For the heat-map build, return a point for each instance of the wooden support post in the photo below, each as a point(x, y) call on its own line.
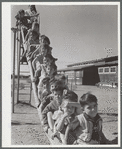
point(18, 63)
point(13, 71)
point(30, 93)
point(17, 52)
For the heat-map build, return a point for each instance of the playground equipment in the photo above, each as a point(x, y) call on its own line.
point(18, 45)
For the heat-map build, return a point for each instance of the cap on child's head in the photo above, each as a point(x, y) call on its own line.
point(87, 98)
point(45, 80)
point(72, 96)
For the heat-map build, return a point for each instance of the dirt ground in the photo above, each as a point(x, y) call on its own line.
point(25, 124)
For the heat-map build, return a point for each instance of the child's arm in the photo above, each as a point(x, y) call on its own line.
point(49, 108)
point(37, 71)
point(60, 124)
point(35, 52)
point(27, 35)
point(72, 126)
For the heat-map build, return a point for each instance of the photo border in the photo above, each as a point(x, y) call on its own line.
point(119, 88)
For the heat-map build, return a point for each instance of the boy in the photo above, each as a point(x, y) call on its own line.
point(53, 105)
point(90, 130)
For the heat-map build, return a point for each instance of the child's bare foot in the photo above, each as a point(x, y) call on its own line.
point(45, 129)
point(53, 135)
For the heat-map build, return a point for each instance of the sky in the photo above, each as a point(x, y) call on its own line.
point(77, 32)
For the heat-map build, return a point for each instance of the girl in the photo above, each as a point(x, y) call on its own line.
point(61, 118)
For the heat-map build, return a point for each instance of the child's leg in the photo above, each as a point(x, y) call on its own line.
point(50, 120)
point(40, 89)
point(54, 133)
point(34, 64)
point(39, 93)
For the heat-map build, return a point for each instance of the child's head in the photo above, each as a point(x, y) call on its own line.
point(54, 83)
point(69, 96)
point(62, 78)
point(32, 8)
point(35, 26)
point(49, 59)
point(58, 94)
point(45, 40)
point(88, 103)
point(22, 13)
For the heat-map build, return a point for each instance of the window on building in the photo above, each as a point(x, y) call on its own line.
point(113, 69)
point(106, 69)
point(100, 70)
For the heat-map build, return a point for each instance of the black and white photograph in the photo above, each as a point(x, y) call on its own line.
point(61, 74)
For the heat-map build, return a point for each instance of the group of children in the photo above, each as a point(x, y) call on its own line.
point(76, 120)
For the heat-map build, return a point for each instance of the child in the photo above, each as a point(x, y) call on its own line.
point(46, 87)
point(90, 130)
point(48, 67)
point(53, 105)
point(62, 78)
point(32, 37)
point(47, 99)
point(46, 71)
point(22, 19)
point(43, 42)
point(39, 58)
point(31, 12)
point(64, 115)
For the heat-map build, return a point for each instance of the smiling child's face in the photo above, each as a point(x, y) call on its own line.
point(58, 96)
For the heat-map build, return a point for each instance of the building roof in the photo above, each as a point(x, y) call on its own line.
point(107, 59)
point(75, 68)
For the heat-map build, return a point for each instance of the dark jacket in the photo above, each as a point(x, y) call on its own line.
point(51, 107)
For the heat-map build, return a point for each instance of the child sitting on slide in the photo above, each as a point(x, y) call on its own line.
point(52, 106)
point(61, 118)
point(89, 122)
point(32, 37)
point(43, 42)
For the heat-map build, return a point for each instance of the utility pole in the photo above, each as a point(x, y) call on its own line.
point(108, 52)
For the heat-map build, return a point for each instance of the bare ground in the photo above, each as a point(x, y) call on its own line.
point(25, 124)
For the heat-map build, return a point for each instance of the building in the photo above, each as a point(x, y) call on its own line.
point(100, 71)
